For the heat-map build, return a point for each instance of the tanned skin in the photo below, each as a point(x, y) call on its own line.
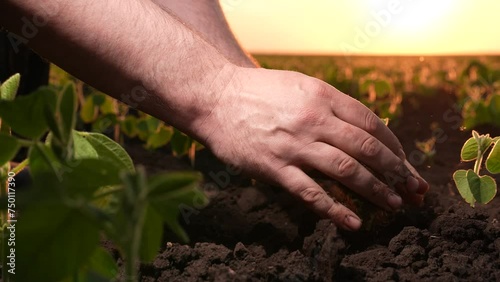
point(274, 125)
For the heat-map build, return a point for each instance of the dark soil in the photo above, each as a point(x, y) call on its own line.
point(255, 232)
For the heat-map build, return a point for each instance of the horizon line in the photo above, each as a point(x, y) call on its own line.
point(306, 54)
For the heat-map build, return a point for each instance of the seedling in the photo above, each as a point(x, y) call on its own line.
point(428, 148)
point(85, 187)
point(472, 186)
point(480, 95)
point(379, 94)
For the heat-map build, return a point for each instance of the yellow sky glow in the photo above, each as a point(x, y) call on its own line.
point(403, 27)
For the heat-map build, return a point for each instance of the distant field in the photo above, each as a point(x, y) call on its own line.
point(382, 82)
point(317, 65)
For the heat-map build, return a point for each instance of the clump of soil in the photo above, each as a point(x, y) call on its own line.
point(260, 233)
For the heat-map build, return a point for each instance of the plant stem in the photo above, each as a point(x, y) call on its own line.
point(25, 143)
point(39, 146)
point(20, 166)
point(479, 160)
point(107, 193)
point(136, 225)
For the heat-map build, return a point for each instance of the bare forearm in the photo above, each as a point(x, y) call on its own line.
point(132, 50)
point(206, 17)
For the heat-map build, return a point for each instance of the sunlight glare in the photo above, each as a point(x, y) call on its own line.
point(419, 16)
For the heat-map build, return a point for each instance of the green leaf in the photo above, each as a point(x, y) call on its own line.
point(104, 147)
point(128, 126)
point(87, 112)
point(382, 88)
point(45, 167)
point(62, 122)
point(483, 188)
point(160, 138)
point(108, 106)
point(494, 107)
point(9, 148)
point(483, 115)
point(142, 129)
point(50, 117)
point(8, 89)
point(83, 148)
point(67, 110)
point(52, 242)
point(180, 143)
point(101, 262)
point(99, 99)
point(25, 114)
point(167, 184)
point(103, 122)
point(176, 194)
point(152, 235)
point(153, 123)
point(146, 126)
point(469, 150)
point(493, 160)
point(469, 114)
point(366, 85)
point(460, 178)
point(90, 174)
point(79, 177)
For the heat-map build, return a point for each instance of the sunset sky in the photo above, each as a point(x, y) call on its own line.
point(417, 27)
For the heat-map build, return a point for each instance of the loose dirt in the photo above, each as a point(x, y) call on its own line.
point(256, 232)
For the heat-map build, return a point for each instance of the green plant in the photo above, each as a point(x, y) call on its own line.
point(428, 148)
point(480, 95)
point(473, 186)
point(379, 94)
point(104, 114)
point(85, 187)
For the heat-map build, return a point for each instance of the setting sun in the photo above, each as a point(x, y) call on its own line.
point(417, 16)
point(366, 27)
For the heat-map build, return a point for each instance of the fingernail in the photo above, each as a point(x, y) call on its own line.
point(402, 154)
point(352, 223)
point(412, 184)
point(394, 201)
point(423, 186)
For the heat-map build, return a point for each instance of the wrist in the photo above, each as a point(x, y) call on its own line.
point(224, 86)
point(190, 101)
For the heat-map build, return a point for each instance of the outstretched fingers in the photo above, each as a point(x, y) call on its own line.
point(373, 153)
point(357, 114)
point(303, 187)
point(347, 170)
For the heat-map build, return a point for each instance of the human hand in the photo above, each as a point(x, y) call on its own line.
point(275, 125)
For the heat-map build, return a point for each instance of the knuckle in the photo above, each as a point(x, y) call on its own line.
point(372, 122)
point(377, 190)
point(401, 169)
point(309, 117)
point(338, 213)
point(397, 175)
point(370, 147)
point(335, 212)
point(312, 195)
point(318, 88)
point(346, 167)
